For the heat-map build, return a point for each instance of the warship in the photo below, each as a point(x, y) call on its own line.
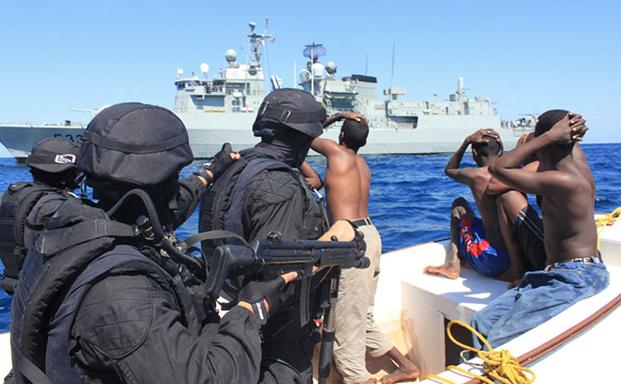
point(222, 109)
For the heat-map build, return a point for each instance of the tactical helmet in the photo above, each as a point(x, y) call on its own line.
point(293, 108)
point(53, 155)
point(135, 143)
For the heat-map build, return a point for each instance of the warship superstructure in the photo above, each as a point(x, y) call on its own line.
point(223, 108)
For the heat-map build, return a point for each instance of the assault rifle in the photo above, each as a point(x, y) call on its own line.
point(273, 257)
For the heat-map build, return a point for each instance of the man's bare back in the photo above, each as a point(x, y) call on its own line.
point(347, 183)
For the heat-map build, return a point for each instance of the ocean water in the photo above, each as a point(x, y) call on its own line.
point(410, 196)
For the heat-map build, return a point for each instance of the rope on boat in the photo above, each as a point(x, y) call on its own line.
point(498, 365)
point(605, 221)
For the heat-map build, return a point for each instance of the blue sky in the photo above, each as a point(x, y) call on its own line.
point(527, 56)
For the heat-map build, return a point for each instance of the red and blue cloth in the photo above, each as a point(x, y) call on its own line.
point(477, 251)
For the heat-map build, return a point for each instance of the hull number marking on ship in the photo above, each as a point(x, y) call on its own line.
point(73, 138)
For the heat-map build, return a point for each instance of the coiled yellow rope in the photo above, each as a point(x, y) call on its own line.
point(605, 221)
point(498, 366)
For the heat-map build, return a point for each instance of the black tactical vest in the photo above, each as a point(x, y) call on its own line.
point(17, 202)
point(223, 205)
point(76, 251)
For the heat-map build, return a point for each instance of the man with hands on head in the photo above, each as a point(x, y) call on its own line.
point(347, 184)
point(565, 184)
point(479, 241)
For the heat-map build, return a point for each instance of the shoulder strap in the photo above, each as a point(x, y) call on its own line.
point(55, 240)
point(17, 204)
point(26, 203)
point(28, 369)
point(216, 234)
point(214, 201)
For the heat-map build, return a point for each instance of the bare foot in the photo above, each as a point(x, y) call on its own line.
point(399, 375)
point(450, 271)
point(406, 369)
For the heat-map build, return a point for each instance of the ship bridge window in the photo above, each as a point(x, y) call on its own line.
point(342, 104)
point(231, 88)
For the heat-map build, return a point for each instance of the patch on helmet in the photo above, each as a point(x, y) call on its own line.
point(66, 158)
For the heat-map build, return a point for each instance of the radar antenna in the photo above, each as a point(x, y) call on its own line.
point(314, 51)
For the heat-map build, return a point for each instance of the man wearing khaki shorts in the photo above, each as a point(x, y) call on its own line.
point(347, 183)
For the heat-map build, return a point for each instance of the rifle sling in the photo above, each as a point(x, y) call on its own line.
point(217, 234)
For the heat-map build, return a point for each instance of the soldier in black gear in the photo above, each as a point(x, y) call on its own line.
point(52, 165)
point(105, 295)
point(263, 193)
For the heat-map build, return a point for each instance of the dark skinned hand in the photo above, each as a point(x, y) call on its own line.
point(569, 129)
point(484, 135)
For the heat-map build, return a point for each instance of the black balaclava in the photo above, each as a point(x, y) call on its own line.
point(69, 179)
point(289, 145)
point(163, 195)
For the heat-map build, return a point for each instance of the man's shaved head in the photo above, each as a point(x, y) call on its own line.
point(548, 119)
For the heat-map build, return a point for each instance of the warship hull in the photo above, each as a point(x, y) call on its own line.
point(222, 109)
point(434, 134)
point(20, 138)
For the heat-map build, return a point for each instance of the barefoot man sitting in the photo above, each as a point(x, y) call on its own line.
point(347, 184)
point(480, 241)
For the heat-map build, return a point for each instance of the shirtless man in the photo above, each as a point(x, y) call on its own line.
point(575, 270)
point(480, 241)
point(520, 224)
point(347, 183)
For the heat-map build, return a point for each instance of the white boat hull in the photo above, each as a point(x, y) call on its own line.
point(412, 309)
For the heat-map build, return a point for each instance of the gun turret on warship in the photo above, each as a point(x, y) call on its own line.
point(223, 108)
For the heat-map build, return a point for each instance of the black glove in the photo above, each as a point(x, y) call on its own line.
point(256, 291)
point(217, 164)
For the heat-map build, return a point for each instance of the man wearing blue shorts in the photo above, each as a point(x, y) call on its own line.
point(479, 252)
point(574, 271)
point(479, 241)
